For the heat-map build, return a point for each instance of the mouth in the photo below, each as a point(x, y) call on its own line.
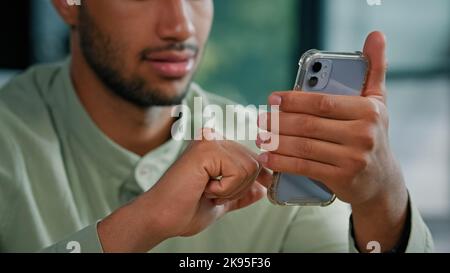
point(171, 64)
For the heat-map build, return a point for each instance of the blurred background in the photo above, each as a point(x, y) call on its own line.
point(254, 49)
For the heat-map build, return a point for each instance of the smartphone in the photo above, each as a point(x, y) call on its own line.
point(338, 73)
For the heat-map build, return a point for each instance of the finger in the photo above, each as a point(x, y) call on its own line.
point(265, 177)
point(311, 149)
point(312, 169)
point(239, 169)
point(225, 181)
point(375, 51)
point(237, 195)
point(303, 125)
point(322, 105)
point(256, 193)
point(246, 157)
point(248, 160)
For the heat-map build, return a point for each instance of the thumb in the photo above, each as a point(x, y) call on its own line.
point(375, 51)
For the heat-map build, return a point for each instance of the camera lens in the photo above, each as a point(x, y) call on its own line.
point(317, 67)
point(313, 81)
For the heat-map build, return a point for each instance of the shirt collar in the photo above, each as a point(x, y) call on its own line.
point(119, 162)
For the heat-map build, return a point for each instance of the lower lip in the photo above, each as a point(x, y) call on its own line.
point(172, 69)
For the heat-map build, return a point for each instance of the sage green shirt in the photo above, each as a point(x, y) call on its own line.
point(60, 175)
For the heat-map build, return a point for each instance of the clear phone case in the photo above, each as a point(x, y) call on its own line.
point(337, 73)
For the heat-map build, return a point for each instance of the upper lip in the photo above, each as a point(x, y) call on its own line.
point(170, 56)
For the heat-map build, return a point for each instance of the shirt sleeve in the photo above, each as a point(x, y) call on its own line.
point(83, 241)
point(419, 239)
point(319, 230)
point(328, 230)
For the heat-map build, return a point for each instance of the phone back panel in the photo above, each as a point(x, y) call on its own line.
point(345, 74)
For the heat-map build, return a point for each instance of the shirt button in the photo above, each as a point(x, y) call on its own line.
point(144, 171)
point(144, 176)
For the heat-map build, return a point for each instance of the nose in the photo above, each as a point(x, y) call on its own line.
point(175, 22)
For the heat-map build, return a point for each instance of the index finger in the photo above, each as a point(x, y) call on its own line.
point(322, 105)
point(265, 177)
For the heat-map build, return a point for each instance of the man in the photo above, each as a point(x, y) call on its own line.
point(88, 163)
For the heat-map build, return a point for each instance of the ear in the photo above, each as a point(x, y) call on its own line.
point(68, 10)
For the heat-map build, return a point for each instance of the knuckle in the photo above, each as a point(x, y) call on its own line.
point(305, 148)
point(367, 140)
point(327, 104)
point(309, 125)
point(373, 114)
point(301, 166)
point(359, 163)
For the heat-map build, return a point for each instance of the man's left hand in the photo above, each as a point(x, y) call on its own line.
point(343, 142)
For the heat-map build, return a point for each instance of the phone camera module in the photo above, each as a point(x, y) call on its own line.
point(313, 81)
point(317, 67)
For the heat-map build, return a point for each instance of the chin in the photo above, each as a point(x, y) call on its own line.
point(173, 87)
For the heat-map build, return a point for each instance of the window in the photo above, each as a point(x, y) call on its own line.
point(252, 50)
point(418, 84)
point(46, 20)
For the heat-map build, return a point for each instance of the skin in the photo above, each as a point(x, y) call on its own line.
point(348, 136)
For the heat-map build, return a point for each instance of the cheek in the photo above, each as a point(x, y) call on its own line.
point(132, 37)
point(124, 23)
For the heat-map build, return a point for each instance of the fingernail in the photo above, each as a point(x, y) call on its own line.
point(262, 138)
point(263, 158)
point(275, 100)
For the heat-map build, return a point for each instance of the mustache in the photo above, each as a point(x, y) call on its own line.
point(172, 47)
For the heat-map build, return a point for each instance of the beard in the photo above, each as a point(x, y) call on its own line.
point(106, 59)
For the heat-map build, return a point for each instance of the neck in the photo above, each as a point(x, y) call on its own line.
point(139, 130)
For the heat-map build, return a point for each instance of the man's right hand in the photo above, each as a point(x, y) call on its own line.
point(209, 180)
